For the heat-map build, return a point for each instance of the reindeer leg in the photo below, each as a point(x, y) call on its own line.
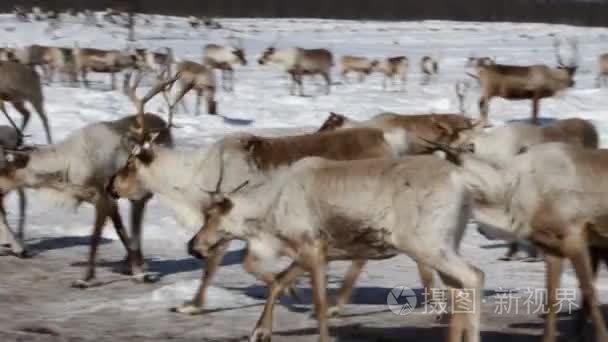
point(15, 243)
point(578, 253)
point(185, 88)
point(250, 266)
point(137, 215)
point(20, 107)
point(38, 106)
point(316, 263)
point(484, 106)
point(196, 305)
point(346, 289)
point(263, 329)
point(22, 209)
point(535, 103)
point(83, 75)
point(327, 83)
point(403, 81)
point(583, 314)
point(113, 80)
point(199, 95)
point(101, 214)
point(210, 99)
point(553, 274)
point(231, 74)
point(384, 82)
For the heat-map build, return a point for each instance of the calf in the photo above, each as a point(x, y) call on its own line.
point(298, 62)
point(320, 210)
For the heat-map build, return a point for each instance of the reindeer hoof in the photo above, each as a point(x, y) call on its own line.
point(188, 308)
point(145, 277)
point(82, 284)
point(260, 335)
point(333, 311)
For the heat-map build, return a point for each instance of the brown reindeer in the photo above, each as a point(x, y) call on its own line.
point(105, 61)
point(421, 128)
point(20, 84)
point(362, 66)
point(533, 82)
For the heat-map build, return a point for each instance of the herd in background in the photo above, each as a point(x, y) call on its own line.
point(396, 183)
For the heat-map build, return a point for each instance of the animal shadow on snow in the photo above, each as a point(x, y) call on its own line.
point(52, 243)
point(542, 121)
point(164, 267)
point(360, 296)
point(360, 333)
point(566, 323)
point(236, 121)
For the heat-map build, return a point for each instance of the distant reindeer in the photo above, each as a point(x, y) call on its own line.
point(429, 68)
point(19, 84)
point(105, 61)
point(299, 62)
point(222, 58)
point(194, 22)
point(394, 67)
point(8, 54)
point(159, 62)
point(49, 59)
point(602, 75)
point(362, 66)
point(533, 82)
point(197, 77)
point(37, 13)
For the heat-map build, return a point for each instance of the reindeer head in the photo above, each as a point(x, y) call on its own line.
point(333, 122)
point(211, 235)
point(571, 67)
point(140, 141)
point(266, 56)
point(239, 52)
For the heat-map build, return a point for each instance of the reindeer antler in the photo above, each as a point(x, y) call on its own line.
point(140, 103)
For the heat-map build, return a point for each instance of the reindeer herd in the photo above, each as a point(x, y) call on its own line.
point(352, 190)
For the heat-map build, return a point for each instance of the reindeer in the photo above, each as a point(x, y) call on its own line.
point(12, 139)
point(197, 77)
point(20, 84)
point(350, 210)
point(554, 196)
point(298, 62)
point(222, 58)
point(235, 158)
point(602, 75)
point(49, 59)
point(362, 66)
point(393, 67)
point(502, 144)
point(105, 61)
point(159, 62)
point(429, 68)
point(83, 164)
point(421, 129)
point(473, 64)
point(533, 82)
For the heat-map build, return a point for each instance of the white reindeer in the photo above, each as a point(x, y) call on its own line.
point(84, 163)
point(320, 210)
point(223, 58)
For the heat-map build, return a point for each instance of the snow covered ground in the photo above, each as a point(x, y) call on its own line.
point(36, 302)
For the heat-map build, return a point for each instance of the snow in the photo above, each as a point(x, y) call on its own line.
point(262, 104)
